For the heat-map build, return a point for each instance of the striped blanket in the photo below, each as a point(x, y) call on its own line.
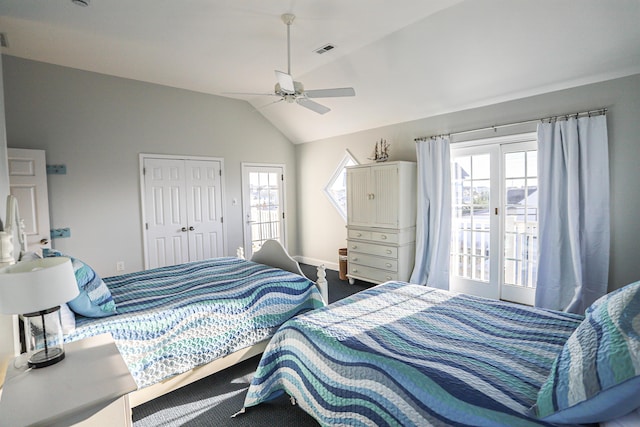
point(172, 319)
point(408, 355)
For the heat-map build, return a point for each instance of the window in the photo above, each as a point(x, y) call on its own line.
point(495, 218)
point(336, 188)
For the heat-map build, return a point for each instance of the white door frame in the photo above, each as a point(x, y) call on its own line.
point(142, 157)
point(245, 206)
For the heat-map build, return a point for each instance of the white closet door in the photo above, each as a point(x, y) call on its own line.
point(165, 212)
point(204, 209)
point(28, 183)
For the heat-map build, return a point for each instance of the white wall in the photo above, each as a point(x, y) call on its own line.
point(97, 125)
point(322, 231)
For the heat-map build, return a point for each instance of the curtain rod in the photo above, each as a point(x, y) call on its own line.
point(550, 119)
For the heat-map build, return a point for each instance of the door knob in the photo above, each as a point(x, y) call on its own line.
point(44, 241)
point(183, 229)
point(191, 228)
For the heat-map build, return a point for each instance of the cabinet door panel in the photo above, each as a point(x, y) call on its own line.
point(358, 196)
point(385, 196)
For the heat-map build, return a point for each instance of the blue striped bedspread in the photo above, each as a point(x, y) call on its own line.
point(172, 319)
point(407, 355)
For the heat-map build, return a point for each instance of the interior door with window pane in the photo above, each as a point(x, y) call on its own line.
point(263, 205)
point(520, 221)
point(474, 267)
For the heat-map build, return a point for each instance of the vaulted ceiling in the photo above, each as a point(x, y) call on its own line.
point(406, 59)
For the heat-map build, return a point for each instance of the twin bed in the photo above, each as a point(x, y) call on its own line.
point(177, 324)
point(406, 355)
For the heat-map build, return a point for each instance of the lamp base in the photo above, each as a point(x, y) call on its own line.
point(43, 358)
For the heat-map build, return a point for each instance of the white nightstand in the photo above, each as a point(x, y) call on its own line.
point(90, 387)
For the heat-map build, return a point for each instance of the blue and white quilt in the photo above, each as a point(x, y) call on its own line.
point(172, 319)
point(408, 355)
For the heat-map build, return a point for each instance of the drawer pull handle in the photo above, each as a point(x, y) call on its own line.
point(388, 277)
point(359, 235)
point(388, 264)
point(388, 251)
point(354, 259)
point(354, 247)
point(354, 270)
point(383, 237)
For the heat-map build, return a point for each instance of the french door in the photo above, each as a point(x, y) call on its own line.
point(263, 203)
point(495, 219)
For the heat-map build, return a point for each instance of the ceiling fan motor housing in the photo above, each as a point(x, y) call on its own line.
point(299, 90)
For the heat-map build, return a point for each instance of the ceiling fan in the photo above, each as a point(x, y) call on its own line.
point(291, 91)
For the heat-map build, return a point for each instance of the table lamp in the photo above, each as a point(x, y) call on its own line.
point(35, 289)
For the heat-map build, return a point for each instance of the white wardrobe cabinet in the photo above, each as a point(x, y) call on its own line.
point(381, 219)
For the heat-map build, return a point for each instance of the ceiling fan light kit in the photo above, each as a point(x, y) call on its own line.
point(292, 91)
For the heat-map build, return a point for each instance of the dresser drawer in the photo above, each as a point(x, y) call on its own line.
point(373, 249)
point(359, 234)
point(377, 236)
point(371, 274)
point(373, 261)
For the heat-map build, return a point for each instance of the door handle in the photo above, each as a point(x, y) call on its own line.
point(191, 228)
point(44, 241)
point(183, 229)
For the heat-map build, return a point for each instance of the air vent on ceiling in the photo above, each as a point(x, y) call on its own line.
point(4, 42)
point(325, 48)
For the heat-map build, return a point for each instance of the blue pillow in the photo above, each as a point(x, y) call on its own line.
point(596, 376)
point(95, 299)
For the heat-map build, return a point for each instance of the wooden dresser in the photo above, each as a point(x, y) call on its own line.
point(381, 220)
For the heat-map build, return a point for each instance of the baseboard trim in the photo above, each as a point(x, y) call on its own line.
point(317, 262)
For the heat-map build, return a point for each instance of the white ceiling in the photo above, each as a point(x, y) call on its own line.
point(406, 59)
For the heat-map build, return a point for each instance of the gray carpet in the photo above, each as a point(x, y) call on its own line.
point(212, 400)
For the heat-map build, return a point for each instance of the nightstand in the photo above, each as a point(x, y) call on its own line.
point(88, 388)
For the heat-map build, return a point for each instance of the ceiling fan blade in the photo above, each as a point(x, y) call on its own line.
point(329, 93)
point(266, 105)
point(313, 106)
point(249, 93)
point(286, 82)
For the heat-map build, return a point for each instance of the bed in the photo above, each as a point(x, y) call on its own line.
point(174, 325)
point(403, 354)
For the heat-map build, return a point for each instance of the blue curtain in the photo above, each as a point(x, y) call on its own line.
point(574, 232)
point(433, 226)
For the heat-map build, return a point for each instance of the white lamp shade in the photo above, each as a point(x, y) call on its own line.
point(32, 286)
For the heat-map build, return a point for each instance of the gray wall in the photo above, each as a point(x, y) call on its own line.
point(97, 125)
point(322, 231)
